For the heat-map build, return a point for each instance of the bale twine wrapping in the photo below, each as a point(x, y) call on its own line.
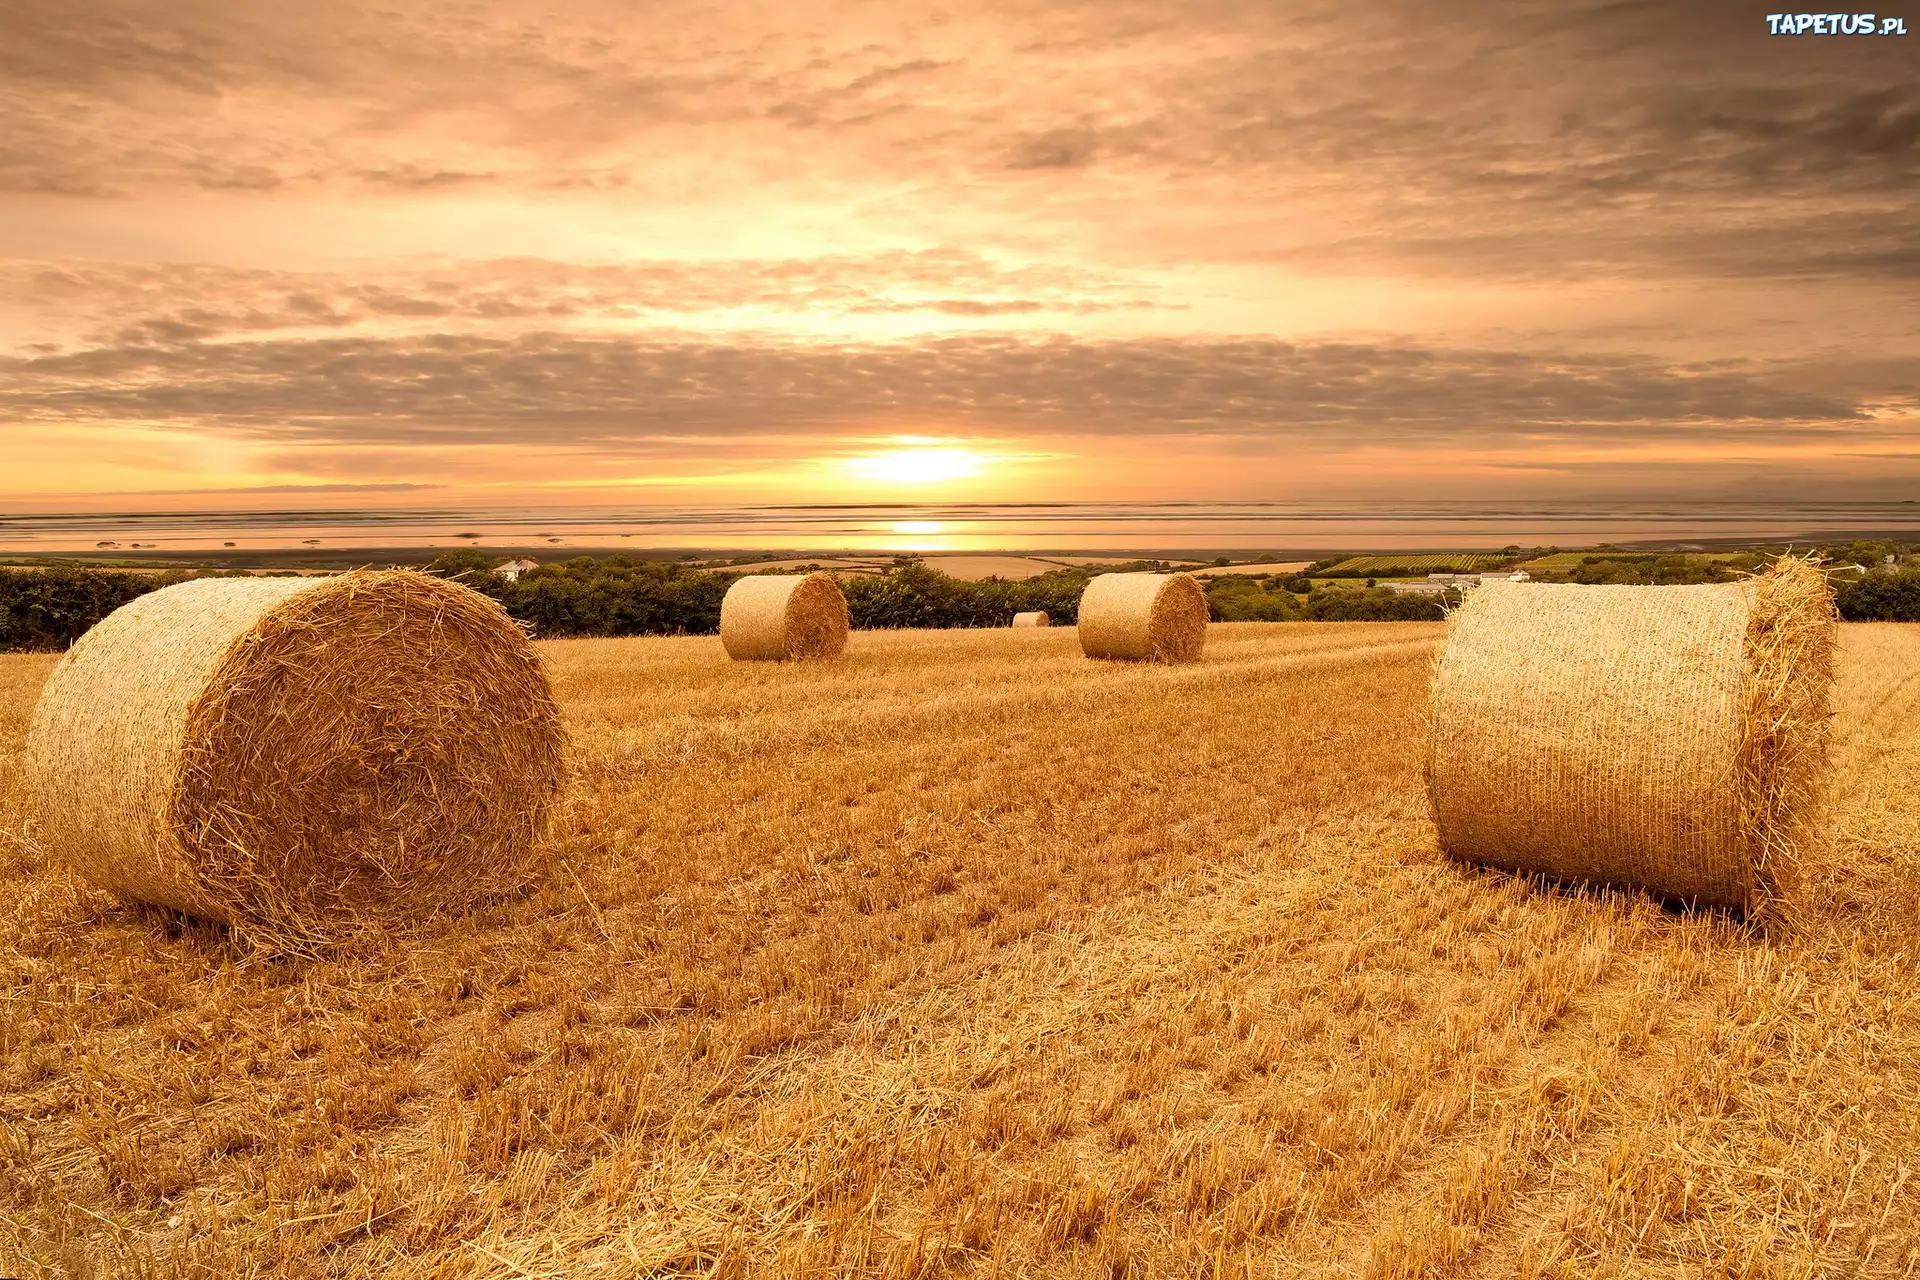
point(1669, 738)
point(1032, 618)
point(769, 617)
point(1140, 616)
point(299, 757)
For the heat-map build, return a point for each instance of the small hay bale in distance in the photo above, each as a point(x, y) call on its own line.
point(771, 617)
point(1160, 617)
point(1666, 738)
point(299, 757)
point(1032, 618)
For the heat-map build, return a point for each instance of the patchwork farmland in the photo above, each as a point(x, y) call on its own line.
point(1389, 565)
point(962, 955)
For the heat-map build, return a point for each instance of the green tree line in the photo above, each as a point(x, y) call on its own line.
point(1880, 595)
point(51, 608)
point(624, 596)
point(48, 609)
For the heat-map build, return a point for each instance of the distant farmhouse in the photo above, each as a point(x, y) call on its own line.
point(1439, 582)
point(1476, 579)
point(512, 569)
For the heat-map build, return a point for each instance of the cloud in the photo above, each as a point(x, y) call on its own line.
point(1587, 133)
point(1054, 149)
point(175, 303)
point(240, 490)
point(1516, 190)
point(576, 390)
point(321, 488)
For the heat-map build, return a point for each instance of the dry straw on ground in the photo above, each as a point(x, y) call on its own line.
point(1033, 618)
point(298, 756)
point(774, 616)
point(1159, 616)
point(976, 958)
point(1665, 737)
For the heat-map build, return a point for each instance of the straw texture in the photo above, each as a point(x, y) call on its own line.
point(1032, 618)
point(1141, 616)
point(1663, 737)
point(299, 757)
point(770, 617)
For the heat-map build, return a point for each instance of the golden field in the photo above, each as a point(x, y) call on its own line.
point(965, 956)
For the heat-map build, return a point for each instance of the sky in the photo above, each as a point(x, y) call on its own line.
point(832, 250)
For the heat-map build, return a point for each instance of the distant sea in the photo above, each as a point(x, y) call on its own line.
point(1066, 528)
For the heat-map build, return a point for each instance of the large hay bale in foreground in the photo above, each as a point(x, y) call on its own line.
point(1032, 618)
point(1158, 616)
point(1664, 737)
point(299, 756)
point(774, 616)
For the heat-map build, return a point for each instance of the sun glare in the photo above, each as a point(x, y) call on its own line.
point(919, 465)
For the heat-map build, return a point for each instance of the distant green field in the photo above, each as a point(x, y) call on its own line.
point(1464, 561)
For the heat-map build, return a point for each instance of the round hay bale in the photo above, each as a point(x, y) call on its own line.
point(1143, 616)
point(299, 757)
point(1032, 618)
point(769, 617)
point(1669, 738)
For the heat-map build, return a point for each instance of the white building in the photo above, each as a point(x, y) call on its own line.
point(512, 569)
point(1464, 580)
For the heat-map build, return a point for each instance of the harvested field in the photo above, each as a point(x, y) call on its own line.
point(964, 956)
point(1466, 561)
point(1276, 566)
point(832, 564)
point(974, 568)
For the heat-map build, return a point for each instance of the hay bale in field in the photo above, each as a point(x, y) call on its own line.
point(1663, 737)
point(1158, 616)
point(775, 616)
point(299, 756)
point(1032, 618)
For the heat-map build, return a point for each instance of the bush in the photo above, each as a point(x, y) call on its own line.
point(623, 596)
point(1883, 595)
point(1658, 570)
point(1239, 598)
point(1867, 554)
point(1378, 605)
point(48, 609)
point(474, 568)
point(914, 595)
point(615, 596)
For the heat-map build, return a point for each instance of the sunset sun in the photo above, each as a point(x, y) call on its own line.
point(920, 464)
